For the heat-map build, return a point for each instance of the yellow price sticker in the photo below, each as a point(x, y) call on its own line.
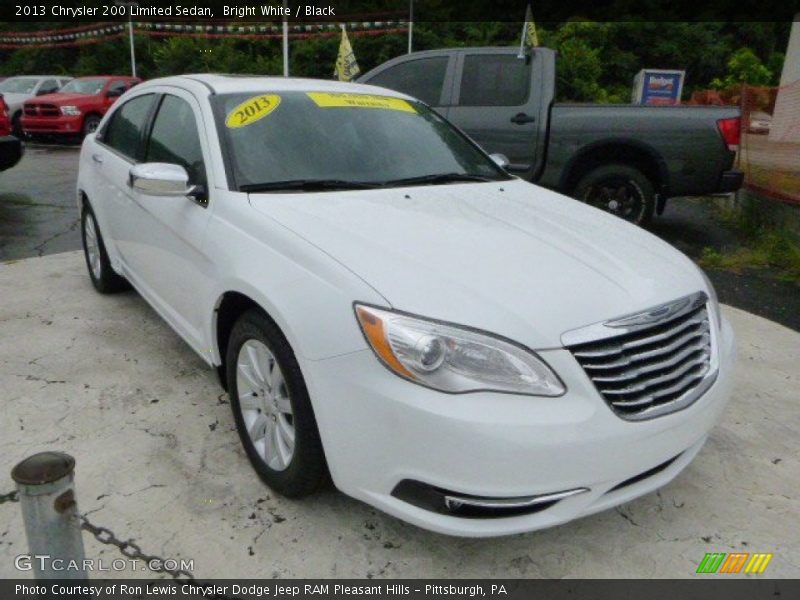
point(252, 110)
point(342, 100)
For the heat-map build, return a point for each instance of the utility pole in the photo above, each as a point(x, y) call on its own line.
point(410, 24)
point(285, 39)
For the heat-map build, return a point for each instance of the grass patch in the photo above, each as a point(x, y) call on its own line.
point(775, 249)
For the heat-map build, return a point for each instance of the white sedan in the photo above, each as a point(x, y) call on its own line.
point(386, 306)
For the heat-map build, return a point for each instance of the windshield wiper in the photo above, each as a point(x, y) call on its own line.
point(307, 185)
point(436, 178)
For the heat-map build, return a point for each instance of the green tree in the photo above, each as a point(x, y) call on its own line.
point(744, 67)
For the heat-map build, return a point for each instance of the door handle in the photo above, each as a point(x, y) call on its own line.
point(97, 158)
point(522, 118)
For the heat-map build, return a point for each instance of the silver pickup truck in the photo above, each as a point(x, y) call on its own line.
point(626, 159)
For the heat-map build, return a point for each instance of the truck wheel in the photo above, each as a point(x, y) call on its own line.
point(619, 189)
point(90, 124)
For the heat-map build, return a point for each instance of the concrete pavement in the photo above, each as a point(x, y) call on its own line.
point(158, 460)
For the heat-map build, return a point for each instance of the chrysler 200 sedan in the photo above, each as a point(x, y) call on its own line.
point(387, 307)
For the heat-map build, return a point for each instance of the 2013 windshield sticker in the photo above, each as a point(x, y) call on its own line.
point(342, 100)
point(252, 110)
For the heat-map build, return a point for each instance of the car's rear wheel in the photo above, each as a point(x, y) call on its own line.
point(271, 407)
point(619, 189)
point(90, 124)
point(103, 277)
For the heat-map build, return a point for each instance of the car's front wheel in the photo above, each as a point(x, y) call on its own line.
point(272, 409)
point(103, 277)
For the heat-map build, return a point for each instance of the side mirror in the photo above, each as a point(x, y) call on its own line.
point(42, 92)
point(161, 179)
point(501, 160)
point(113, 93)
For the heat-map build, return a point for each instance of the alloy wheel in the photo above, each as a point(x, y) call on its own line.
point(92, 246)
point(265, 405)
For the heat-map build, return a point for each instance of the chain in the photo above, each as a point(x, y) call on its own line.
point(131, 549)
point(9, 497)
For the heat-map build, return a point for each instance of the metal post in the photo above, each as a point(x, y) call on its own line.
point(285, 40)
point(45, 483)
point(410, 25)
point(133, 52)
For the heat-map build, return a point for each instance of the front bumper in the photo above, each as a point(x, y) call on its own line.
point(11, 150)
point(379, 430)
point(63, 124)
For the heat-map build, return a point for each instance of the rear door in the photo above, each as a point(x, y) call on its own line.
point(428, 78)
point(117, 147)
point(496, 101)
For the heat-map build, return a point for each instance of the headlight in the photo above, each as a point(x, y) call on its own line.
point(712, 298)
point(454, 359)
point(72, 111)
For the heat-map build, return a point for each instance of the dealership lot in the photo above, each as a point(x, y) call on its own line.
point(104, 379)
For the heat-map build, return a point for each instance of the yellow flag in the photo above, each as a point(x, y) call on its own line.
point(346, 65)
point(529, 35)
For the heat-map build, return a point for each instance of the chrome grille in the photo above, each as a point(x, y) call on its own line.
point(656, 367)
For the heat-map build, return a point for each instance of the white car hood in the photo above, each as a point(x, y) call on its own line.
point(507, 257)
point(14, 101)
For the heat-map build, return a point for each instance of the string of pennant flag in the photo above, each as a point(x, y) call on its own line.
point(105, 31)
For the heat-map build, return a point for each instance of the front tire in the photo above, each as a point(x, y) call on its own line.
point(619, 189)
point(103, 277)
point(271, 407)
point(90, 124)
point(16, 127)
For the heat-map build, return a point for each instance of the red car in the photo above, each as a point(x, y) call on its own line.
point(76, 109)
point(10, 147)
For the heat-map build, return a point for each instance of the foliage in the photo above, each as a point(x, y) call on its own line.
point(743, 67)
point(597, 60)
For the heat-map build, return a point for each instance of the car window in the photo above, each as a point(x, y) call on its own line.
point(118, 86)
point(174, 139)
point(494, 80)
point(343, 137)
point(422, 78)
point(48, 87)
point(124, 131)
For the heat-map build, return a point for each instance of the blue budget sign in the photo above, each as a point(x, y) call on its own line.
point(658, 86)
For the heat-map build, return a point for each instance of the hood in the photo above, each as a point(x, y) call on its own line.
point(506, 257)
point(64, 99)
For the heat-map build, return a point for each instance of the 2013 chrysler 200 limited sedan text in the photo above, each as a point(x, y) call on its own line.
point(462, 349)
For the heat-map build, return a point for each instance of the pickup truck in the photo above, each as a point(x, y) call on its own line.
point(626, 159)
point(76, 109)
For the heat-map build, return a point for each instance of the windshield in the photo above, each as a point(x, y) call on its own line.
point(344, 140)
point(19, 85)
point(89, 87)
